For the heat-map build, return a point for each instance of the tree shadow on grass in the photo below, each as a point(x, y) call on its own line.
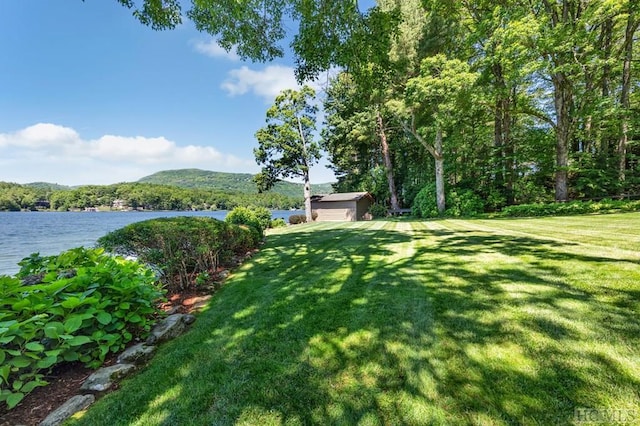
point(336, 325)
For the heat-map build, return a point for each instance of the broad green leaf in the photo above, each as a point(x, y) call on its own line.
point(47, 362)
point(6, 339)
point(20, 362)
point(14, 399)
point(28, 387)
point(103, 318)
point(72, 324)
point(135, 318)
point(4, 372)
point(71, 303)
point(20, 305)
point(70, 356)
point(78, 340)
point(34, 346)
point(54, 352)
point(54, 329)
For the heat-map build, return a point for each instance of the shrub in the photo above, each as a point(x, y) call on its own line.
point(182, 247)
point(378, 210)
point(258, 218)
point(278, 223)
point(425, 205)
point(296, 219)
point(570, 208)
point(77, 306)
point(464, 203)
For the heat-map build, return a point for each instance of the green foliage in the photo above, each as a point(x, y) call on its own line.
point(460, 202)
point(232, 183)
point(378, 210)
point(424, 204)
point(79, 306)
point(286, 148)
point(169, 190)
point(182, 247)
point(278, 223)
point(296, 219)
point(256, 218)
point(463, 202)
point(571, 208)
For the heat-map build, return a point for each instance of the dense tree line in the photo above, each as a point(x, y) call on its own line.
point(510, 101)
point(14, 197)
point(513, 101)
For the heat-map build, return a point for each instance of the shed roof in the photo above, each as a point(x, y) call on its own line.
point(343, 196)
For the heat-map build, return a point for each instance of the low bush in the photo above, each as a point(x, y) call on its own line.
point(463, 203)
point(296, 219)
point(257, 218)
point(378, 210)
point(182, 247)
point(424, 205)
point(570, 208)
point(76, 306)
point(278, 223)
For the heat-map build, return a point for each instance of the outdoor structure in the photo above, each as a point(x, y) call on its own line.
point(348, 206)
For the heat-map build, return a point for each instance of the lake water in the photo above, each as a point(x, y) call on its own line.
point(49, 233)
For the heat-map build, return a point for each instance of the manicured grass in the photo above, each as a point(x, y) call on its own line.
point(492, 322)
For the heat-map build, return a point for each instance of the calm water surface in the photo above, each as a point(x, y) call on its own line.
point(49, 233)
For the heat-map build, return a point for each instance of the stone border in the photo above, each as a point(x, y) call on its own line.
point(128, 361)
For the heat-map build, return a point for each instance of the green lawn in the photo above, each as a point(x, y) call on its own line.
point(507, 321)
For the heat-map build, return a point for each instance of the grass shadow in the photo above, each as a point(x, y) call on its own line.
point(392, 323)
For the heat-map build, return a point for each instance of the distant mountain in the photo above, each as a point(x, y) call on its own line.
point(228, 182)
point(47, 186)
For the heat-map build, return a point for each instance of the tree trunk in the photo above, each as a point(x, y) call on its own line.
point(439, 159)
point(632, 26)
point(563, 98)
point(387, 162)
point(502, 144)
point(498, 132)
point(307, 198)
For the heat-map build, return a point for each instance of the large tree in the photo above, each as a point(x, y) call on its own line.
point(433, 101)
point(287, 148)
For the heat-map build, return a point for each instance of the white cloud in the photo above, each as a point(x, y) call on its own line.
point(52, 153)
point(266, 83)
point(213, 49)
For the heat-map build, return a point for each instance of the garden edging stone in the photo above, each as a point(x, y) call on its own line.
point(102, 380)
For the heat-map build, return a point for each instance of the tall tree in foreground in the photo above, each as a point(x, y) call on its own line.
point(286, 144)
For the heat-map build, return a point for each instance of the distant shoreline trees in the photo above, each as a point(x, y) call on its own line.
point(144, 196)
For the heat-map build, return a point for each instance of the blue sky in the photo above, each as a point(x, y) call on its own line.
point(88, 95)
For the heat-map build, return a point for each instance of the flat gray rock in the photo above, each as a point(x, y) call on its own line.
point(68, 409)
point(103, 379)
point(136, 354)
point(170, 328)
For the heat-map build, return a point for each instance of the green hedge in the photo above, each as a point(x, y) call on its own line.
point(76, 306)
point(182, 248)
point(570, 208)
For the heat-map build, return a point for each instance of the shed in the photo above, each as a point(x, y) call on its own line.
point(346, 206)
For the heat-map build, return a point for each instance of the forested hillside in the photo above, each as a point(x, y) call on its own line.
point(168, 190)
point(228, 182)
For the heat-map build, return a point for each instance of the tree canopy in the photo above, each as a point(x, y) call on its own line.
point(537, 100)
point(287, 148)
